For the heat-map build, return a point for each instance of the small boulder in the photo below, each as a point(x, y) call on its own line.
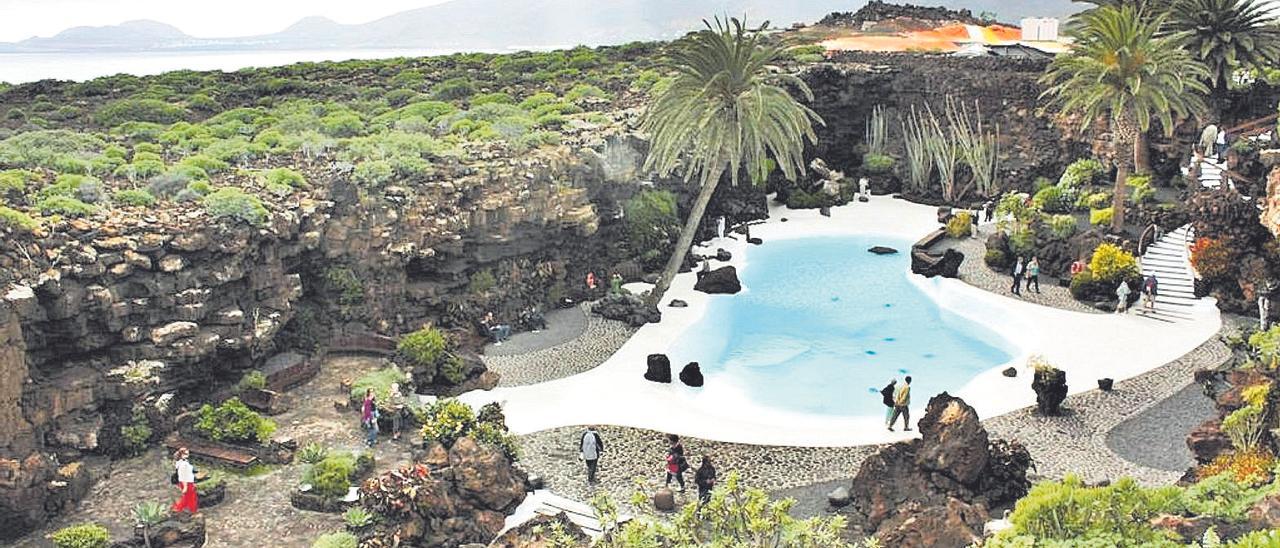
point(839, 498)
point(677, 303)
point(824, 211)
point(864, 199)
point(659, 368)
point(932, 265)
point(944, 213)
point(664, 500)
point(721, 281)
point(1106, 384)
point(755, 241)
point(691, 375)
point(882, 250)
point(1010, 372)
point(1050, 385)
point(723, 256)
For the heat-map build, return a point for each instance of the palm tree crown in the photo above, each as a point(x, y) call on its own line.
point(1227, 34)
point(727, 110)
point(1123, 71)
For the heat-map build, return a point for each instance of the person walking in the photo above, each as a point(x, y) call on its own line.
point(989, 210)
point(705, 479)
point(1122, 294)
point(676, 463)
point(369, 417)
point(901, 406)
point(1150, 290)
point(396, 403)
point(1018, 270)
point(1033, 273)
point(886, 396)
point(187, 502)
point(591, 447)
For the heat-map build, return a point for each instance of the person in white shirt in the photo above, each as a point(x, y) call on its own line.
point(186, 476)
point(591, 447)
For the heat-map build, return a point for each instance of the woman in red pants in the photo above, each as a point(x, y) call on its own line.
point(186, 482)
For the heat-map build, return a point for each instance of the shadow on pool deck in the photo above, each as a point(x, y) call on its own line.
point(563, 325)
point(1157, 437)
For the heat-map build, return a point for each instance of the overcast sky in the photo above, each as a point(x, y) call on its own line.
point(20, 19)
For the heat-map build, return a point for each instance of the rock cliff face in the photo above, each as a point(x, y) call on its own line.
point(1005, 91)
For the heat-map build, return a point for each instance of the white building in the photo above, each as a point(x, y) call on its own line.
point(1039, 29)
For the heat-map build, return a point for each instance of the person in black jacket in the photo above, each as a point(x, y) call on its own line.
point(705, 479)
point(886, 394)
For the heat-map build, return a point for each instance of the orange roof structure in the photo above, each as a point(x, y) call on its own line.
point(946, 39)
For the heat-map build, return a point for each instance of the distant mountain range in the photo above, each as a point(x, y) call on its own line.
point(498, 24)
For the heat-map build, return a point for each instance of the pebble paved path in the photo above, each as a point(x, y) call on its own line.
point(975, 272)
point(550, 358)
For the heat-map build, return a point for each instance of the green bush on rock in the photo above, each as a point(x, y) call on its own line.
point(1081, 172)
point(877, 163)
point(336, 540)
point(138, 110)
point(65, 206)
point(960, 225)
point(331, 477)
point(17, 220)
point(134, 197)
point(651, 221)
point(233, 421)
point(237, 204)
point(85, 535)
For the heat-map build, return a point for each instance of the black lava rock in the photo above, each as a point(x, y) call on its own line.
point(1010, 372)
point(1051, 390)
point(755, 241)
point(626, 308)
point(1106, 384)
point(930, 265)
point(677, 303)
point(882, 250)
point(723, 256)
point(659, 369)
point(691, 375)
point(721, 281)
point(824, 211)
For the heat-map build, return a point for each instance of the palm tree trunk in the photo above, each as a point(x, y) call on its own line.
point(1142, 153)
point(1120, 195)
point(685, 241)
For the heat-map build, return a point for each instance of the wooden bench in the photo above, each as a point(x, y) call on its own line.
point(213, 453)
point(364, 343)
point(289, 369)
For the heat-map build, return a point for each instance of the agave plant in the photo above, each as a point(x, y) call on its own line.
point(357, 518)
point(147, 515)
point(312, 453)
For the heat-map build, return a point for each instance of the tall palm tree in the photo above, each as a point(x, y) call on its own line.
point(1122, 71)
point(1226, 35)
point(727, 112)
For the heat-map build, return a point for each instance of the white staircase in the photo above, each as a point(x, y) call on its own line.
point(1168, 259)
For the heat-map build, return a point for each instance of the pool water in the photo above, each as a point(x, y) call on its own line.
point(822, 325)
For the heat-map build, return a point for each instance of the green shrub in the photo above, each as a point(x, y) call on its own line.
point(336, 540)
point(1223, 497)
point(1101, 217)
point(651, 221)
point(1265, 347)
point(960, 225)
point(374, 173)
point(492, 98)
point(233, 421)
point(213, 480)
point(252, 380)
point(357, 517)
point(65, 206)
point(235, 203)
point(583, 91)
point(1140, 189)
point(1116, 515)
point(1094, 200)
point(426, 346)
point(1054, 199)
point(138, 110)
point(331, 477)
point(996, 259)
point(84, 535)
point(1081, 173)
point(446, 421)
point(137, 433)
point(15, 180)
point(17, 220)
point(134, 197)
point(1110, 264)
point(481, 281)
point(1062, 226)
point(312, 453)
point(1244, 427)
point(877, 163)
point(453, 89)
point(206, 164)
point(380, 381)
point(1266, 538)
point(342, 282)
point(286, 176)
point(342, 124)
point(1022, 242)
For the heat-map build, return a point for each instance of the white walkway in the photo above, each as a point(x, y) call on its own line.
point(1087, 346)
point(1168, 259)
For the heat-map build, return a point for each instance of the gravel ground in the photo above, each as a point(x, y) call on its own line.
point(563, 325)
point(544, 357)
point(975, 272)
point(1157, 437)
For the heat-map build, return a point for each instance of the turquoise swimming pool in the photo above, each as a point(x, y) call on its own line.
point(823, 325)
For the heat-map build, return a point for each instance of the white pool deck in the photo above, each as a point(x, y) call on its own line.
point(1087, 346)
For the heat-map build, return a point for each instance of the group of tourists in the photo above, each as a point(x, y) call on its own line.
point(1028, 270)
point(369, 414)
point(674, 464)
point(897, 402)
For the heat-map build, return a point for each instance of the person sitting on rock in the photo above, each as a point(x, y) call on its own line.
point(498, 332)
point(533, 319)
